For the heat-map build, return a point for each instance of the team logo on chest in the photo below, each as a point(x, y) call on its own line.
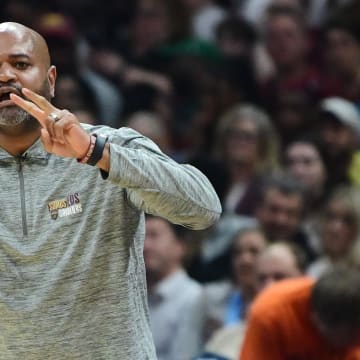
point(65, 207)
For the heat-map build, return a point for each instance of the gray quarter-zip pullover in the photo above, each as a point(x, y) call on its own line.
point(72, 280)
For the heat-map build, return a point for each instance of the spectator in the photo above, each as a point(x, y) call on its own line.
point(340, 230)
point(155, 24)
point(210, 261)
point(238, 40)
point(277, 262)
point(281, 210)
point(152, 126)
point(304, 159)
point(227, 301)
point(246, 144)
point(342, 52)
point(175, 300)
point(289, 94)
point(306, 319)
point(339, 128)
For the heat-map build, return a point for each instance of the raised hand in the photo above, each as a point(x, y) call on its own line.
point(61, 131)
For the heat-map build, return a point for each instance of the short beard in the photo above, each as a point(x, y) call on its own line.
point(10, 116)
point(14, 115)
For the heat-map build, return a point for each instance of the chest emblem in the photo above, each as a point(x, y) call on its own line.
point(65, 207)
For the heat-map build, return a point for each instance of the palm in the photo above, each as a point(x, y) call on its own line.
point(75, 144)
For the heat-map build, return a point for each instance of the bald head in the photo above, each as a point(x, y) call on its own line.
point(24, 34)
point(278, 261)
point(24, 63)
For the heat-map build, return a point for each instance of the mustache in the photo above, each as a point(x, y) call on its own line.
point(16, 88)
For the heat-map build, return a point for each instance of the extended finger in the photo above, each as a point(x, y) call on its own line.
point(39, 100)
point(31, 108)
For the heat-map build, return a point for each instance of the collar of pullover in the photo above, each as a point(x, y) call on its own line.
point(35, 152)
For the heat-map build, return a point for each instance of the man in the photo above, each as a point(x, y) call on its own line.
point(280, 211)
point(175, 300)
point(277, 262)
point(342, 52)
point(72, 283)
point(339, 132)
point(300, 319)
point(293, 89)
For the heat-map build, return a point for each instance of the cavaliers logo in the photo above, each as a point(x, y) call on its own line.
point(65, 207)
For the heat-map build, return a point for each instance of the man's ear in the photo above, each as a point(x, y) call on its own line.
point(51, 75)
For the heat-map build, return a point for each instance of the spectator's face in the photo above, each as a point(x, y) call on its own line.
point(339, 230)
point(275, 266)
point(241, 142)
point(304, 162)
point(336, 137)
point(247, 248)
point(280, 214)
point(285, 41)
point(162, 250)
point(151, 26)
point(342, 52)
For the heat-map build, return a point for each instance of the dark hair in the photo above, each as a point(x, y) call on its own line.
point(335, 298)
point(345, 18)
point(309, 139)
point(284, 183)
point(238, 28)
point(179, 230)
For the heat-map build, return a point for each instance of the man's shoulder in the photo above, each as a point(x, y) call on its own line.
point(181, 287)
point(281, 296)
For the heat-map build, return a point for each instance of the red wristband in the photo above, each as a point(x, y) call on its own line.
point(89, 151)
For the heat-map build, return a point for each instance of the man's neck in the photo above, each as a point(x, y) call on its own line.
point(17, 139)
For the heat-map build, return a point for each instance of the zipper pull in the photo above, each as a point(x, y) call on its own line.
point(20, 159)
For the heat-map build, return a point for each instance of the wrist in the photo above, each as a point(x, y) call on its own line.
point(95, 150)
point(83, 159)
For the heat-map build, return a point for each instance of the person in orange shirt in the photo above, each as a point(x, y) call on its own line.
point(300, 319)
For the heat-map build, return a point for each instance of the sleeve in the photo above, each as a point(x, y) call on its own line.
point(261, 340)
point(158, 185)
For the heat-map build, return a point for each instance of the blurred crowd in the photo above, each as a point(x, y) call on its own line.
point(263, 96)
